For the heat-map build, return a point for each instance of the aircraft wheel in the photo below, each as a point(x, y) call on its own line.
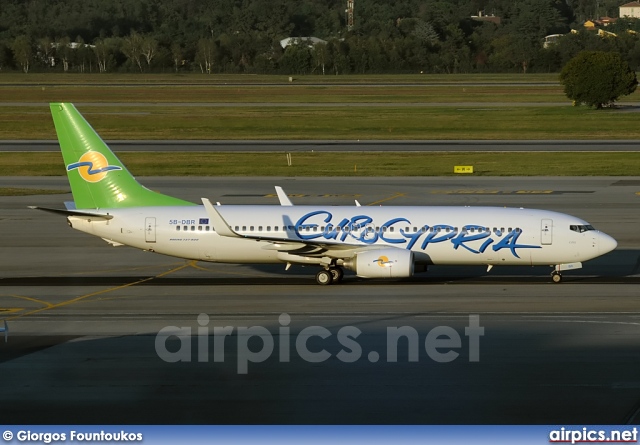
point(336, 274)
point(324, 277)
point(556, 276)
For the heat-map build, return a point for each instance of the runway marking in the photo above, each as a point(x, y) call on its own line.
point(10, 310)
point(301, 195)
point(92, 294)
point(397, 195)
point(35, 300)
point(508, 192)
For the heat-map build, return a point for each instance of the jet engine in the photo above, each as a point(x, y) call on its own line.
point(382, 263)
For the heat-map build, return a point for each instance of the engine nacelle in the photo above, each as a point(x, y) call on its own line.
point(383, 263)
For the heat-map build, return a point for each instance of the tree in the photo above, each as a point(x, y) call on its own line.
point(132, 47)
point(105, 49)
point(597, 78)
point(176, 55)
point(149, 49)
point(81, 55)
point(64, 52)
point(206, 55)
point(23, 52)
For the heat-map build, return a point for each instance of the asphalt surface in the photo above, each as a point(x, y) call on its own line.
point(341, 146)
point(84, 320)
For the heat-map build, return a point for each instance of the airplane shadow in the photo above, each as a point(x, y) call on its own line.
point(618, 267)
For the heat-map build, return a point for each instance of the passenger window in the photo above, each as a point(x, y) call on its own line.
point(244, 228)
point(207, 228)
point(199, 228)
point(259, 228)
point(251, 228)
point(193, 228)
point(268, 228)
point(178, 228)
point(275, 228)
point(185, 228)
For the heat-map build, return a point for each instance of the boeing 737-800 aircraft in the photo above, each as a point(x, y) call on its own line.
point(376, 242)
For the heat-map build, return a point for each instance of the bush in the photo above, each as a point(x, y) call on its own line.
point(597, 78)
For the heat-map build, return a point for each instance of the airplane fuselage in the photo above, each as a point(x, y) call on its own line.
point(435, 235)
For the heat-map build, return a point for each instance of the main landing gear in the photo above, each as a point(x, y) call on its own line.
point(331, 275)
point(556, 276)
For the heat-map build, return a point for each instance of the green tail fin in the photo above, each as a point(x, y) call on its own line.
point(98, 179)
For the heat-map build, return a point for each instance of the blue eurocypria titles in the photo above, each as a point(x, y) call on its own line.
point(360, 228)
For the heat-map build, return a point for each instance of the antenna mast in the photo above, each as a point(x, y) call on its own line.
point(350, 6)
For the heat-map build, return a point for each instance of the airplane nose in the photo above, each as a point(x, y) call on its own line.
point(606, 243)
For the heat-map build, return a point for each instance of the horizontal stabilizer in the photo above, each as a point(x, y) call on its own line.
point(74, 213)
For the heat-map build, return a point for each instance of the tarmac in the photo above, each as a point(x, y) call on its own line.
point(97, 334)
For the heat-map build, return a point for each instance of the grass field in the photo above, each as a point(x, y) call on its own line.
point(332, 123)
point(411, 107)
point(342, 164)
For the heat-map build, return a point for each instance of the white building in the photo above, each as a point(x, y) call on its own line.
point(311, 41)
point(630, 10)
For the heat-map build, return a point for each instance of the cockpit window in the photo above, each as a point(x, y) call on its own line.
point(581, 229)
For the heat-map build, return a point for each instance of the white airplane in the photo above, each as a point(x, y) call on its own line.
point(376, 242)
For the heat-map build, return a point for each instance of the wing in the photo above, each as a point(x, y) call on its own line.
point(293, 251)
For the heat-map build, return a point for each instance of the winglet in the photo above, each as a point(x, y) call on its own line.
point(282, 196)
point(219, 224)
point(6, 331)
point(358, 204)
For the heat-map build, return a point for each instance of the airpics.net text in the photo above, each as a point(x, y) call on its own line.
point(256, 344)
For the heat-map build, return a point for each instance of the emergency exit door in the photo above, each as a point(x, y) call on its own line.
point(150, 230)
point(546, 232)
